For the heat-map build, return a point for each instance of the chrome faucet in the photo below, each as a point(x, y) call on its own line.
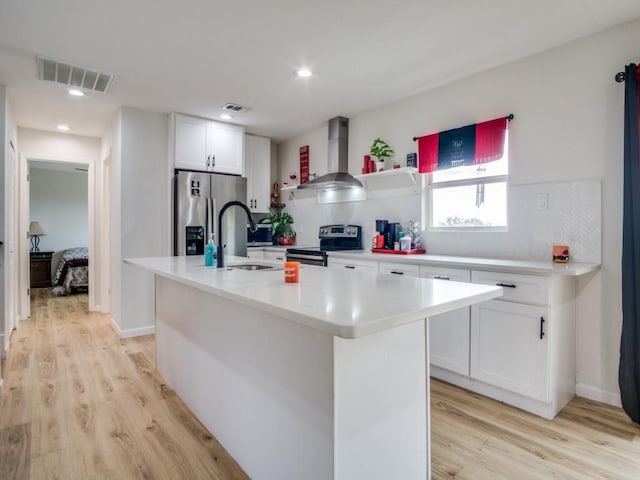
point(252, 226)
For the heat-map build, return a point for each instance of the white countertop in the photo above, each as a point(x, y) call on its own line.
point(346, 304)
point(506, 265)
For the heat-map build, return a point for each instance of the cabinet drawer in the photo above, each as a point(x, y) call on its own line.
point(400, 269)
point(532, 289)
point(444, 273)
point(349, 264)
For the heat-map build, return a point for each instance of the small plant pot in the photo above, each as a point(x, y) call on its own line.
point(287, 240)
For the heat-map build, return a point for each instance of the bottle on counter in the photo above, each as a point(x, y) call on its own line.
point(210, 252)
point(405, 241)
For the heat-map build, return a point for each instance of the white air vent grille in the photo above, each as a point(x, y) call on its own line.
point(73, 75)
point(234, 107)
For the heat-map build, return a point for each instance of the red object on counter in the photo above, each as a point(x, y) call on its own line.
point(365, 166)
point(415, 251)
point(372, 166)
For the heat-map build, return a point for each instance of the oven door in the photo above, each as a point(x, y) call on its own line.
point(307, 257)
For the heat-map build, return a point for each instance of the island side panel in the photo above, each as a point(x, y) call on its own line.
point(262, 385)
point(381, 406)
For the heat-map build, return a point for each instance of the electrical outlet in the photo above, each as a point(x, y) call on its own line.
point(543, 201)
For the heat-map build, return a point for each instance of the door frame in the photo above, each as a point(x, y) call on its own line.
point(95, 219)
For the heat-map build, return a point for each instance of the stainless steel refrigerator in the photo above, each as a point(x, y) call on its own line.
point(198, 197)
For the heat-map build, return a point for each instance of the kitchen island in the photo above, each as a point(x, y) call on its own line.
point(325, 378)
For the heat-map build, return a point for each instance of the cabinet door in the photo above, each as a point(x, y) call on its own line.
point(348, 264)
point(510, 347)
point(256, 253)
point(191, 143)
point(257, 157)
point(449, 332)
point(226, 144)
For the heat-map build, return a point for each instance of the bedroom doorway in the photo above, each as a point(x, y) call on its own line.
point(56, 198)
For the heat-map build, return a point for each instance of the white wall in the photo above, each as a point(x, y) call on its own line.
point(59, 201)
point(63, 147)
point(4, 257)
point(140, 220)
point(568, 126)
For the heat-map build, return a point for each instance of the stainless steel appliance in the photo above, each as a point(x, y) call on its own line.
point(332, 238)
point(198, 196)
point(262, 237)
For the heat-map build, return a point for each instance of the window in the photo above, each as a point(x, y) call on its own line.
point(472, 197)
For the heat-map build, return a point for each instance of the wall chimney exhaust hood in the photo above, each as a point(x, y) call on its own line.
point(338, 178)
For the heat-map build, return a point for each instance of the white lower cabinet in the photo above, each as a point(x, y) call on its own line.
point(510, 347)
point(348, 264)
point(274, 255)
point(449, 332)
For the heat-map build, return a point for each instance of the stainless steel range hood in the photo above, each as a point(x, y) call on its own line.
point(338, 159)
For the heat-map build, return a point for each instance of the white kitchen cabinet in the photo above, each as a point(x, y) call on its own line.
point(205, 145)
point(349, 264)
point(510, 347)
point(255, 253)
point(522, 347)
point(274, 255)
point(449, 333)
point(403, 269)
point(257, 155)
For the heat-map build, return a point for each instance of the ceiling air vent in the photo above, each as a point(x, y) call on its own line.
point(73, 75)
point(234, 107)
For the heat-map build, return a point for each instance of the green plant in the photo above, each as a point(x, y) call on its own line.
point(381, 149)
point(281, 223)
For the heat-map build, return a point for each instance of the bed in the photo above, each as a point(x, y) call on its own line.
point(70, 270)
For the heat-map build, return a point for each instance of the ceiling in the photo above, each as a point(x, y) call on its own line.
point(193, 56)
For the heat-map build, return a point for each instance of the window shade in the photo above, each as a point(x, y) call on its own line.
point(473, 144)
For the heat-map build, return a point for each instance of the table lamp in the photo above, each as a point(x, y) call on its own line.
point(35, 231)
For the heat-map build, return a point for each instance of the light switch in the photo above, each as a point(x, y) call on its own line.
point(543, 201)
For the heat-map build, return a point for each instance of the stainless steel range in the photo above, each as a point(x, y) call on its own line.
point(332, 238)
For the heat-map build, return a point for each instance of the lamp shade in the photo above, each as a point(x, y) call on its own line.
point(35, 229)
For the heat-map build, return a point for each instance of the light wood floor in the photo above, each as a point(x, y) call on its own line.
point(80, 404)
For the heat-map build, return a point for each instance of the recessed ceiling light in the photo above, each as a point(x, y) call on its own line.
point(225, 116)
point(64, 128)
point(304, 72)
point(76, 93)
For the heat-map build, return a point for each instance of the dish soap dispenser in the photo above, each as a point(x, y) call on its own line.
point(210, 252)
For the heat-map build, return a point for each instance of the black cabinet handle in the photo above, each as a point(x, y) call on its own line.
point(541, 327)
point(441, 278)
point(213, 160)
point(351, 267)
point(508, 285)
point(396, 273)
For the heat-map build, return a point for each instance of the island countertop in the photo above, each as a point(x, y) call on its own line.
point(345, 305)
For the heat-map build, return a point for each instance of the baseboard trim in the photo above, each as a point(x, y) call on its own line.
point(132, 332)
point(598, 395)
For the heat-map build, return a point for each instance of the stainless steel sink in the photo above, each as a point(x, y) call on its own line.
point(254, 266)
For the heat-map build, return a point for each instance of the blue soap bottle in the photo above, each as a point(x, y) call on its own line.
point(210, 252)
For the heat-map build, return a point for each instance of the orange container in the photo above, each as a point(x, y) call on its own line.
point(560, 253)
point(291, 272)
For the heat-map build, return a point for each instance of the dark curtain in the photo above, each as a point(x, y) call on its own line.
point(629, 372)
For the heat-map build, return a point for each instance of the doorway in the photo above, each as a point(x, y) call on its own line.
point(59, 195)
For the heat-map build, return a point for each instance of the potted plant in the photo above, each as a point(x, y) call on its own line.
point(282, 227)
point(381, 150)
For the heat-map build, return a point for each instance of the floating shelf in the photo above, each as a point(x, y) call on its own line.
point(393, 178)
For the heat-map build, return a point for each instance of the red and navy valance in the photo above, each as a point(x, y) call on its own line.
point(473, 144)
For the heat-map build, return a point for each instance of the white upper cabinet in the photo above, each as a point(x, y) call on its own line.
point(205, 145)
point(257, 156)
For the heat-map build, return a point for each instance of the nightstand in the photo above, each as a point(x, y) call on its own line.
point(41, 269)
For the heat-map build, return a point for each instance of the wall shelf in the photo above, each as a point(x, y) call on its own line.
point(394, 178)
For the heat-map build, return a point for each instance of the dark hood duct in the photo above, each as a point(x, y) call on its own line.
point(338, 159)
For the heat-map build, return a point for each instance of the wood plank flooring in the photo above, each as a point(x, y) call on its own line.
point(81, 404)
